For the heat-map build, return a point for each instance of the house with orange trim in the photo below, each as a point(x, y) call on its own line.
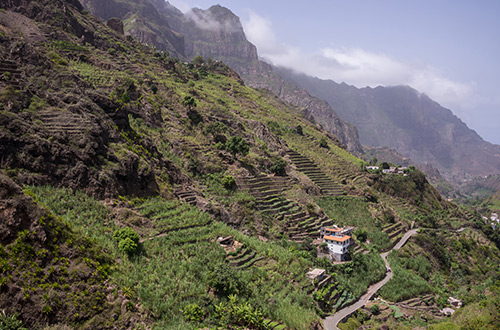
point(337, 240)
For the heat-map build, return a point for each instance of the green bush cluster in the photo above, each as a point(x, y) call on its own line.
point(228, 182)
point(236, 145)
point(279, 167)
point(193, 312)
point(128, 240)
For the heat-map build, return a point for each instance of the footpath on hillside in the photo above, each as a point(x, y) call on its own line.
point(330, 323)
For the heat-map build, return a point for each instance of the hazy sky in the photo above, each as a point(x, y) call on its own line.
point(448, 49)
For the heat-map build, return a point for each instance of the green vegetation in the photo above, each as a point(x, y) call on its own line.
point(156, 128)
point(354, 211)
point(236, 145)
point(179, 268)
point(279, 167)
point(406, 283)
point(10, 322)
point(127, 239)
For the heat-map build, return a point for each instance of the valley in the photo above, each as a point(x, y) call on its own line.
point(142, 190)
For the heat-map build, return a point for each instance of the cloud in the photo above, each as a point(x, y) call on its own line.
point(355, 66)
point(205, 20)
point(181, 5)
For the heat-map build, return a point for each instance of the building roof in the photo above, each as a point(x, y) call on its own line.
point(336, 230)
point(337, 238)
point(316, 272)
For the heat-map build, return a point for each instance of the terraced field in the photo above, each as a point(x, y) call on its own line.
point(297, 222)
point(327, 185)
point(65, 123)
point(10, 73)
point(168, 216)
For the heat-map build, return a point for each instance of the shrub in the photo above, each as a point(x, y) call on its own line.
point(195, 166)
point(193, 312)
point(375, 309)
point(215, 128)
point(127, 245)
point(10, 322)
point(225, 280)
point(128, 240)
point(323, 143)
point(279, 167)
point(198, 60)
point(361, 234)
point(299, 130)
point(124, 233)
point(228, 182)
point(236, 145)
point(189, 102)
point(195, 117)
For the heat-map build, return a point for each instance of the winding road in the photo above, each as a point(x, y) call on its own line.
point(330, 323)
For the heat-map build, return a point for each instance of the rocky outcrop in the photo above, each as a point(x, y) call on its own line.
point(216, 33)
point(116, 24)
point(142, 20)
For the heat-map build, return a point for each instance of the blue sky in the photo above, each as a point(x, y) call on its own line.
point(448, 49)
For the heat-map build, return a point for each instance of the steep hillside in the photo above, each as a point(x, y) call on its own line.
point(51, 274)
point(205, 196)
point(410, 122)
point(218, 34)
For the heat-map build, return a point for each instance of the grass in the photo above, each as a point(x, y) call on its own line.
point(174, 270)
point(365, 270)
point(405, 283)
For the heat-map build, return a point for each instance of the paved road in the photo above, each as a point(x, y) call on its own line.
point(331, 322)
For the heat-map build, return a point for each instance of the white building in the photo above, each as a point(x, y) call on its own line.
point(337, 242)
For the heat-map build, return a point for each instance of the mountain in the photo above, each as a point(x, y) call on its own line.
point(141, 191)
point(402, 118)
point(217, 33)
point(396, 117)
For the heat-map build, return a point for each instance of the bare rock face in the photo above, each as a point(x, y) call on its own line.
point(116, 24)
point(216, 33)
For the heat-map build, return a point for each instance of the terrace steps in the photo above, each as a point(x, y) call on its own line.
point(268, 191)
point(61, 122)
point(326, 184)
point(10, 71)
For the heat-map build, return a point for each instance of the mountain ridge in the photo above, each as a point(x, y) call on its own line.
point(402, 118)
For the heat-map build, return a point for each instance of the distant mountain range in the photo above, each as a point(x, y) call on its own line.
point(397, 117)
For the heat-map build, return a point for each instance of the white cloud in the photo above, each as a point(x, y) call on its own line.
point(356, 66)
point(181, 5)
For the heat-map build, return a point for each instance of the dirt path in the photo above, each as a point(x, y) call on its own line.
point(330, 323)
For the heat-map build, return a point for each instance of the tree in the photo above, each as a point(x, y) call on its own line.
point(375, 309)
point(228, 182)
point(128, 240)
point(236, 145)
point(279, 167)
point(189, 102)
point(323, 143)
point(224, 280)
point(198, 60)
